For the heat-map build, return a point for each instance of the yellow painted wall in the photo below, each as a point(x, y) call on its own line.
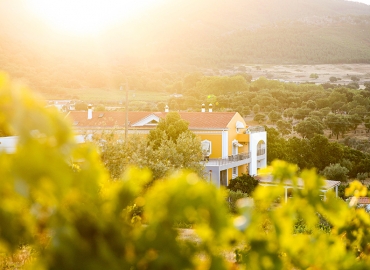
point(232, 133)
point(216, 140)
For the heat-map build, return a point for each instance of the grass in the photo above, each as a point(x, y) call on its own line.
point(101, 95)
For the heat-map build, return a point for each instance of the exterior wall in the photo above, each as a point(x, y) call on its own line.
point(233, 137)
point(232, 131)
point(216, 141)
point(257, 161)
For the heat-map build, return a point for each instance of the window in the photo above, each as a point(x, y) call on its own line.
point(239, 125)
point(235, 172)
point(206, 147)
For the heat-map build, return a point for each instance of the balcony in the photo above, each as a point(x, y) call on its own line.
point(242, 138)
point(229, 160)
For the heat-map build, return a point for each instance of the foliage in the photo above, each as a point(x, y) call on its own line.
point(335, 172)
point(274, 116)
point(337, 124)
point(309, 127)
point(260, 117)
point(232, 199)
point(62, 204)
point(57, 199)
point(333, 79)
point(244, 183)
point(81, 106)
point(284, 127)
point(169, 128)
point(99, 107)
point(169, 156)
point(270, 242)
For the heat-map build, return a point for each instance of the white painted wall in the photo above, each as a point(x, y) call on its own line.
point(254, 138)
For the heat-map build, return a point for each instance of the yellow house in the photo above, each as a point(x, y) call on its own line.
point(230, 147)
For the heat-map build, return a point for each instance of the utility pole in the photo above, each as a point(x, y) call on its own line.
point(126, 109)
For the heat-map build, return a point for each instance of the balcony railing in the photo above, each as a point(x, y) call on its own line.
point(254, 129)
point(261, 151)
point(230, 159)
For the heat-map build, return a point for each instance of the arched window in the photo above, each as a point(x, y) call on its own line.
point(206, 147)
point(261, 148)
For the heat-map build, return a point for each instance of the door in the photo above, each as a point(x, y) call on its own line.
point(223, 178)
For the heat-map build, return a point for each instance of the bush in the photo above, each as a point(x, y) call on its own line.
point(244, 183)
point(335, 172)
point(81, 106)
point(100, 108)
point(232, 198)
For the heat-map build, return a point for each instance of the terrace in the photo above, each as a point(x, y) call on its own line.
point(231, 159)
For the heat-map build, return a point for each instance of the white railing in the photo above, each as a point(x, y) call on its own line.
point(229, 159)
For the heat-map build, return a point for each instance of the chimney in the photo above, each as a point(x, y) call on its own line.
point(203, 108)
point(210, 107)
point(166, 109)
point(89, 111)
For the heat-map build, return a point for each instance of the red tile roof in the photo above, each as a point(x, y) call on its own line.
point(363, 200)
point(112, 119)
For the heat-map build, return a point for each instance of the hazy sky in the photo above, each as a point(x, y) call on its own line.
point(367, 2)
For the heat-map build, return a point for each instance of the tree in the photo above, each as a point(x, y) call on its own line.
point(284, 127)
point(244, 183)
point(100, 107)
point(81, 106)
point(325, 152)
point(161, 106)
point(309, 127)
point(311, 104)
point(276, 145)
point(354, 120)
point(301, 113)
point(367, 124)
point(288, 112)
point(246, 76)
point(314, 76)
point(353, 85)
point(177, 148)
point(355, 78)
point(259, 118)
point(335, 172)
point(274, 116)
point(333, 79)
point(367, 86)
point(256, 109)
point(169, 128)
point(336, 123)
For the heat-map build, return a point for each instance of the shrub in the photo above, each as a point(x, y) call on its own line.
point(244, 183)
point(232, 198)
point(335, 172)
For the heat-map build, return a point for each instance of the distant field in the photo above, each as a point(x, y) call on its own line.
point(301, 73)
point(97, 95)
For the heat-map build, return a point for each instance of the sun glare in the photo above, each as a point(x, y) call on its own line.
point(85, 17)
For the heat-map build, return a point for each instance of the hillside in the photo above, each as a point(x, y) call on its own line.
point(185, 35)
